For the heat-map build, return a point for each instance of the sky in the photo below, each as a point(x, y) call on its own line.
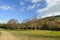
point(25, 9)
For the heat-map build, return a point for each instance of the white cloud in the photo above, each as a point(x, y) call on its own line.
point(38, 5)
point(2, 21)
point(50, 14)
point(21, 3)
point(53, 7)
point(35, 1)
point(31, 7)
point(50, 3)
point(5, 7)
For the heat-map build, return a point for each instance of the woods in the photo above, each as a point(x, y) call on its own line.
point(49, 23)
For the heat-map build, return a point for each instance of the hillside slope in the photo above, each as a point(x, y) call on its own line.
point(48, 23)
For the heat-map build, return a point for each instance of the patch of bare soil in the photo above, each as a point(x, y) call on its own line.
point(7, 36)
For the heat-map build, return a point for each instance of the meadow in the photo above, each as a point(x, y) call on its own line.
point(36, 34)
point(0, 33)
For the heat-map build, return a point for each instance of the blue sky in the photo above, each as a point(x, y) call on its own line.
point(24, 9)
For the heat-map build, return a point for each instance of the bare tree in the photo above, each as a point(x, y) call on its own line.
point(12, 24)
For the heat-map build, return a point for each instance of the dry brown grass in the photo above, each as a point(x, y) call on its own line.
point(6, 36)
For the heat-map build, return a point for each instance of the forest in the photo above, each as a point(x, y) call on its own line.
point(48, 23)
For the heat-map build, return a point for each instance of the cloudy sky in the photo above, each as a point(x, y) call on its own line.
point(24, 9)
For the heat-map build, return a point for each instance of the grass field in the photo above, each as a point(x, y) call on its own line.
point(0, 33)
point(36, 35)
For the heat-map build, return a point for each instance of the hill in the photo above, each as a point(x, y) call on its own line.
point(48, 23)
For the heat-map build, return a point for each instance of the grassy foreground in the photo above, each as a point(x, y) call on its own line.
point(0, 33)
point(36, 35)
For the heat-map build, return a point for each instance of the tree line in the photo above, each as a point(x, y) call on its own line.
point(49, 23)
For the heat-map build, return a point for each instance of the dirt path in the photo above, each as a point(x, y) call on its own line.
point(7, 36)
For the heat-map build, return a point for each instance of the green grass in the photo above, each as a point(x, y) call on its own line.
point(0, 33)
point(36, 34)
